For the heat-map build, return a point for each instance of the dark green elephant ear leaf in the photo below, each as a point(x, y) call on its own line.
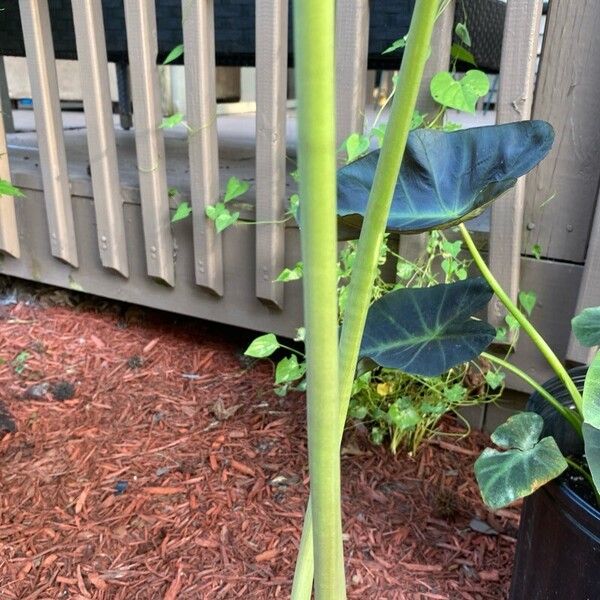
point(525, 465)
point(426, 331)
point(591, 439)
point(447, 177)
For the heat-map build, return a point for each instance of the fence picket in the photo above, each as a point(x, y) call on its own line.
point(108, 203)
point(201, 107)
point(352, 48)
point(515, 98)
point(35, 20)
point(271, 98)
point(140, 18)
point(9, 237)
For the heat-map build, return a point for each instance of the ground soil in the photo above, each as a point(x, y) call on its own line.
point(169, 469)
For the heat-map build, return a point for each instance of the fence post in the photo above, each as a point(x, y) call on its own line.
point(5, 103)
point(9, 236)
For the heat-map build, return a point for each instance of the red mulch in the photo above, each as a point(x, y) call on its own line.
point(175, 472)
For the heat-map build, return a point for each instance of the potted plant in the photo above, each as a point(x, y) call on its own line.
point(418, 181)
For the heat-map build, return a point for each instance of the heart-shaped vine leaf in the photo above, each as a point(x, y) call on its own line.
point(586, 326)
point(461, 94)
point(184, 210)
point(447, 177)
point(8, 189)
point(263, 346)
point(426, 331)
point(525, 465)
point(591, 440)
point(235, 188)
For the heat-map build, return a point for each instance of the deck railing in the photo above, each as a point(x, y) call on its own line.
point(510, 237)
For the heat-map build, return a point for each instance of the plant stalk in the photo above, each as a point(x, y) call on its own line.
point(371, 237)
point(529, 329)
point(567, 414)
point(314, 22)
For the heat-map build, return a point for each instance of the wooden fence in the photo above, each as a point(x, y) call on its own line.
point(101, 234)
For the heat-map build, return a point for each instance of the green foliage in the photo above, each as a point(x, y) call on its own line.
point(19, 363)
point(219, 213)
point(355, 146)
point(183, 211)
point(171, 121)
point(263, 346)
point(463, 34)
point(523, 466)
point(586, 326)
point(174, 54)
point(459, 53)
point(8, 189)
point(527, 301)
point(536, 250)
point(460, 94)
point(289, 369)
point(397, 45)
point(591, 439)
point(429, 330)
point(292, 274)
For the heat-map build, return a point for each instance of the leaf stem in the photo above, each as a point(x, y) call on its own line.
point(314, 26)
point(371, 237)
point(571, 417)
point(529, 329)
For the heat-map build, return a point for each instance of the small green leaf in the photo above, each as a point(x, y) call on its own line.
point(536, 250)
point(379, 133)
point(403, 418)
point(526, 465)
point(455, 393)
point(494, 379)
point(300, 334)
point(214, 210)
point(397, 45)
point(356, 145)
point(527, 301)
point(358, 411)
point(460, 94)
point(586, 326)
point(377, 435)
point(295, 175)
point(591, 440)
point(448, 266)
point(294, 205)
point(457, 52)
point(463, 34)
point(235, 187)
point(500, 334)
point(405, 270)
point(450, 126)
point(289, 369)
point(20, 362)
point(416, 120)
point(8, 189)
point(512, 323)
point(461, 273)
point(452, 248)
point(291, 274)
point(591, 394)
point(225, 220)
point(262, 346)
point(172, 121)
point(174, 54)
point(183, 211)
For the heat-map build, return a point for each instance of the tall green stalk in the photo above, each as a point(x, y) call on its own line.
point(371, 237)
point(527, 327)
point(314, 22)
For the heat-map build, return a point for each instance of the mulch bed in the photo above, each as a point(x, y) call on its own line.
point(146, 459)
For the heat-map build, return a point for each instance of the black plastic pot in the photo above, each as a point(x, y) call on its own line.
point(558, 546)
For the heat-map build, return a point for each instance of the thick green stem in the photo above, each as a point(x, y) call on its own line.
point(314, 22)
point(371, 236)
point(569, 416)
point(527, 327)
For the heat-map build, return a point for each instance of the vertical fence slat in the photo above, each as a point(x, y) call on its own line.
point(108, 204)
point(35, 19)
point(351, 48)
point(271, 98)
point(589, 291)
point(201, 106)
point(411, 247)
point(9, 237)
point(140, 18)
point(5, 103)
point(515, 98)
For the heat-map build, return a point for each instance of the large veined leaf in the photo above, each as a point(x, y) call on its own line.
point(586, 326)
point(591, 394)
point(447, 177)
point(591, 439)
point(426, 331)
point(524, 466)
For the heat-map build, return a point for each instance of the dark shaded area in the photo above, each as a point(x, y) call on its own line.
point(235, 35)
